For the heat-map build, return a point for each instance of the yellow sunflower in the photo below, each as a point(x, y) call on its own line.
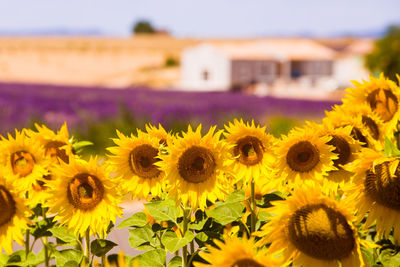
point(304, 155)
point(377, 183)
point(345, 147)
point(363, 128)
point(160, 133)
point(311, 229)
point(134, 159)
point(252, 149)
point(381, 94)
point(14, 215)
point(195, 167)
point(236, 252)
point(83, 196)
point(23, 157)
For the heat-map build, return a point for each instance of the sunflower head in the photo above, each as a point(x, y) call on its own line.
point(381, 94)
point(134, 158)
point(84, 197)
point(252, 149)
point(24, 158)
point(305, 155)
point(236, 252)
point(313, 229)
point(160, 133)
point(14, 214)
point(195, 167)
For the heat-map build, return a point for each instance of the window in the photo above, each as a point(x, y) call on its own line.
point(205, 75)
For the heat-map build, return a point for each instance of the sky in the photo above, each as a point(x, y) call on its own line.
point(202, 18)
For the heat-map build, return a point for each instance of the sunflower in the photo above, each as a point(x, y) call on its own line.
point(381, 94)
point(195, 167)
point(83, 196)
point(378, 183)
point(363, 127)
point(23, 157)
point(304, 155)
point(236, 252)
point(252, 149)
point(159, 133)
point(13, 215)
point(345, 147)
point(312, 229)
point(134, 159)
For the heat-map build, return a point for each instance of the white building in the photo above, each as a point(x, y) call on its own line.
point(283, 67)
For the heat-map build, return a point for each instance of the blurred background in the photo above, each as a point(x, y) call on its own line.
point(103, 65)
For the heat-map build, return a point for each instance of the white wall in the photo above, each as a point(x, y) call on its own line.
point(349, 68)
point(196, 60)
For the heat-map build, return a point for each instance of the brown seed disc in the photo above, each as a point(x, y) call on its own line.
point(357, 135)
point(85, 191)
point(342, 148)
point(53, 150)
point(142, 159)
point(321, 232)
point(302, 156)
point(22, 163)
point(384, 103)
point(383, 187)
point(372, 127)
point(196, 164)
point(250, 150)
point(7, 206)
point(246, 263)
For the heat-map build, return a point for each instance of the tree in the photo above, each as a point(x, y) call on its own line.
point(385, 56)
point(143, 27)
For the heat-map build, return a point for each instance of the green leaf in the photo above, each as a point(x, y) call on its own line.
point(390, 149)
point(165, 210)
point(368, 256)
point(64, 256)
point(100, 247)
point(17, 258)
point(138, 219)
point(202, 237)
point(172, 242)
point(3, 259)
point(226, 213)
point(197, 225)
point(236, 196)
point(81, 144)
point(175, 262)
point(139, 236)
point(154, 258)
point(42, 228)
point(63, 234)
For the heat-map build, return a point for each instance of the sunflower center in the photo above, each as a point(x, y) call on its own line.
point(247, 262)
point(196, 164)
point(342, 148)
point(383, 187)
point(7, 206)
point(85, 191)
point(250, 150)
point(371, 126)
point(53, 150)
point(357, 135)
point(22, 163)
point(302, 156)
point(142, 159)
point(384, 103)
point(321, 232)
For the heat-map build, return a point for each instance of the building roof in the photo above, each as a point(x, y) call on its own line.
point(277, 49)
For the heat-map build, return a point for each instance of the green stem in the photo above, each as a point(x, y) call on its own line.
point(46, 253)
point(27, 250)
point(87, 248)
point(253, 208)
point(191, 247)
point(103, 260)
point(184, 249)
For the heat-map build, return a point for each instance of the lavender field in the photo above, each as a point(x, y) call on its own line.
point(85, 107)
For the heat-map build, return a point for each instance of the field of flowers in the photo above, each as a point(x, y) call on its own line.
point(325, 194)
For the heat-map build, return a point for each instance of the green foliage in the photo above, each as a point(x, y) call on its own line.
point(226, 213)
point(143, 26)
point(171, 61)
point(100, 247)
point(385, 56)
point(172, 242)
point(68, 256)
point(280, 125)
point(164, 210)
point(138, 219)
point(154, 258)
point(140, 236)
